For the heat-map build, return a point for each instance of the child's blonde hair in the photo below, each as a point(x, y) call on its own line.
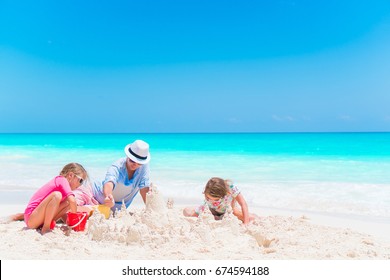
point(74, 167)
point(217, 187)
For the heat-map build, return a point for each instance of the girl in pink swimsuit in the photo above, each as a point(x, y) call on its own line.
point(55, 198)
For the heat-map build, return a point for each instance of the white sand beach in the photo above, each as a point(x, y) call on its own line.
point(160, 231)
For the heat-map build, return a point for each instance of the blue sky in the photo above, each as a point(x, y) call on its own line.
point(194, 66)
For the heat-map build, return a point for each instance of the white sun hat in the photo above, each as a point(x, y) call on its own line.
point(138, 151)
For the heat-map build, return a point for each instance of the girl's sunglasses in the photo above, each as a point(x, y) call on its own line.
point(81, 180)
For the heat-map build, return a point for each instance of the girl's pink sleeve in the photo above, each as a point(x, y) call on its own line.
point(63, 186)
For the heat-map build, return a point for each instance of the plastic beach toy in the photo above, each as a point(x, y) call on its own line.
point(77, 220)
point(103, 209)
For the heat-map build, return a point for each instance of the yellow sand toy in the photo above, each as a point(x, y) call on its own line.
point(103, 209)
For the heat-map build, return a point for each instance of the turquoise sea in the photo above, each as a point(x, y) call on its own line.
point(344, 174)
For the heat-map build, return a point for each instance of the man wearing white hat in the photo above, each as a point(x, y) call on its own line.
point(125, 177)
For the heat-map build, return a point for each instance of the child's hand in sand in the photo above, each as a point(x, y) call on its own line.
point(109, 200)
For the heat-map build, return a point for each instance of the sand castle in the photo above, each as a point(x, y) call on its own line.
point(160, 225)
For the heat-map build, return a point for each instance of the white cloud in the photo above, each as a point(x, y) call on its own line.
point(283, 118)
point(346, 118)
point(233, 120)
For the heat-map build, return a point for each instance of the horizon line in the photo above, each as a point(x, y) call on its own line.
point(227, 132)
